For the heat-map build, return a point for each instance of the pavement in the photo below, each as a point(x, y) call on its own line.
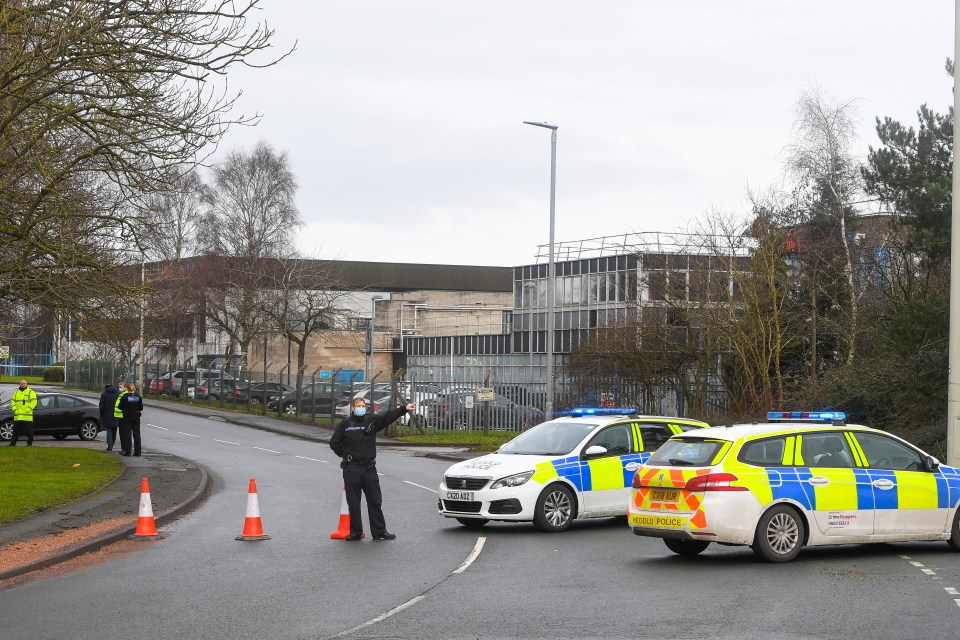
point(176, 486)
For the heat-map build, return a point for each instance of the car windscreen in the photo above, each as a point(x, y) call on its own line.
point(686, 452)
point(554, 438)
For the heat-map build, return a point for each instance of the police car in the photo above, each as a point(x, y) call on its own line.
point(781, 486)
point(577, 465)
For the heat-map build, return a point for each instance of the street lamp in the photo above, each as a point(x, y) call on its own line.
point(548, 407)
point(373, 316)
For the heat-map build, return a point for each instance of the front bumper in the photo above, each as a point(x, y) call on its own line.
point(513, 504)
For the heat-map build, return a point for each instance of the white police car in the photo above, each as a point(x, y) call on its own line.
point(579, 465)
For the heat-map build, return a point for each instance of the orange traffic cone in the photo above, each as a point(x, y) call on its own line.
point(146, 527)
point(252, 528)
point(343, 529)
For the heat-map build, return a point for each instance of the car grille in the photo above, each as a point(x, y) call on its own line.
point(470, 484)
point(461, 506)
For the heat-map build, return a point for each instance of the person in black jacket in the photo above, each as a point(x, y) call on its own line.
point(108, 401)
point(355, 440)
point(131, 405)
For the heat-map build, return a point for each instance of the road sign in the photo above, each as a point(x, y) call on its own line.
point(4, 351)
point(468, 402)
point(485, 394)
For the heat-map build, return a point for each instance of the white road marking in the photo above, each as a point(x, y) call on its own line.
point(270, 450)
point(916, 564)
point(228, 442)
point(473, 555)
point(957, 600)
point(192, 435)
point(929, 572)
point(384, 616)
point(156, 426)
point(310, 459)
point(421, 486)
point(951, 591)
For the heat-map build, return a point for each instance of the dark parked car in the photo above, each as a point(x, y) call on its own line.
point(315, 398)
point(215, 388)
point(58, 415)
point(255, 392)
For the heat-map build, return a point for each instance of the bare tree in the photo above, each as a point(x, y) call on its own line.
point(251, 222)
point(821, 160)
point(99, 100)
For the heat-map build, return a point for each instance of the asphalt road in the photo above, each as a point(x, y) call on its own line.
point(439, 580)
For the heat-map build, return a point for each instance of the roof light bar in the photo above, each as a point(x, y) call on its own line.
point(596, 411)
point(815, 416)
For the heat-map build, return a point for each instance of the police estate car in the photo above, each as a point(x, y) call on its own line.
point(778, 487)
point(577, 465)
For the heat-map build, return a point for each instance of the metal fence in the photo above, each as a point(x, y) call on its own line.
point(441, 405)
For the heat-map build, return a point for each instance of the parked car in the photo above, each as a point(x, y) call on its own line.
point(58, 415)
point(215, 389)
point(451, 411)
point(255, 392)
point(315, 398)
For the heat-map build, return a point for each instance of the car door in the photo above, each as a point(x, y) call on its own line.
point(44, 414)
point(69, 413)
point(840, 495)
point(606, 479)
point(909, 499)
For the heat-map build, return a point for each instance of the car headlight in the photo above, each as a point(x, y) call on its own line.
point(512, 481)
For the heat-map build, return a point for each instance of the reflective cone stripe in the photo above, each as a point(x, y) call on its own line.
point(252, 526)
point(146, 527)
point(343, 528)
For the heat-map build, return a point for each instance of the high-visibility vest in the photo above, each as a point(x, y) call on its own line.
point(116, 407)
point(23, 402)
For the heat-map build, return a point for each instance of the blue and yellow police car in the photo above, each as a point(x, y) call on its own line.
point(578, 465)
point(801, 479)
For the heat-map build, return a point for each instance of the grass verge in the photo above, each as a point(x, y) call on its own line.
point(473, 440)
point(36, 479)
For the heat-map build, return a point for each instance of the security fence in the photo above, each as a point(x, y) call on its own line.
point(441, 405)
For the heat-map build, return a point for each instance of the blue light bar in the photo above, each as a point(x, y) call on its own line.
point(595, 411)
point(818, 416)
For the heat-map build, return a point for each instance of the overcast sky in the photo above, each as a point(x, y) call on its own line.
point(402, 120)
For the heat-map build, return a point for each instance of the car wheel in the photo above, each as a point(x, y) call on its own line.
point(473, 523)
point(555, 509)
point(6, 430)
point(59, 436)
point(686, 548)
point(780, 535)
point(254, 401)
point(290, 409)
point(88, 430)
point(954, 540)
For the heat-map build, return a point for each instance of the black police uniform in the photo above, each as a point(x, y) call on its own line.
point(131, 405)
point(355, 440)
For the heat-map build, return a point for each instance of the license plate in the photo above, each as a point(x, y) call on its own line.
point(664, 495)
point(659, 522)
point(460, 495)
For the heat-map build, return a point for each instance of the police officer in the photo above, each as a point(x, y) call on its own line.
point(124, 428)
point(355, 440)
point(131, 406)
point(23, 402)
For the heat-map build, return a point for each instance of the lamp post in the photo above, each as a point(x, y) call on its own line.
point(373, 316)
point(548, 406)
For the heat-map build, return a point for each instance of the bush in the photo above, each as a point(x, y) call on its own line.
point(53, 374)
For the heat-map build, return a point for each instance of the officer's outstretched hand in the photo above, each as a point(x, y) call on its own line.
point(411, 406)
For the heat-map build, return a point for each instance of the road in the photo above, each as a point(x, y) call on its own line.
point(439, 580)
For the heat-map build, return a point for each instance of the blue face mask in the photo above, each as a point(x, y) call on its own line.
point(359, 411)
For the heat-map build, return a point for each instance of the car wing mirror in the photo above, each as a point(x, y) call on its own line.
point(595, 451)
point(931, 463)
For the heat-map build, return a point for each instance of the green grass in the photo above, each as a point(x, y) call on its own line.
point(37, 479)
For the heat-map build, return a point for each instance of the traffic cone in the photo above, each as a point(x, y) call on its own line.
point(252, 528)
point(146, 527)
point(343, 529)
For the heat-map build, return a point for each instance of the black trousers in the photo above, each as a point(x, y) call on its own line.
point(130, 429)
point(21, 426)
point(362, 477)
